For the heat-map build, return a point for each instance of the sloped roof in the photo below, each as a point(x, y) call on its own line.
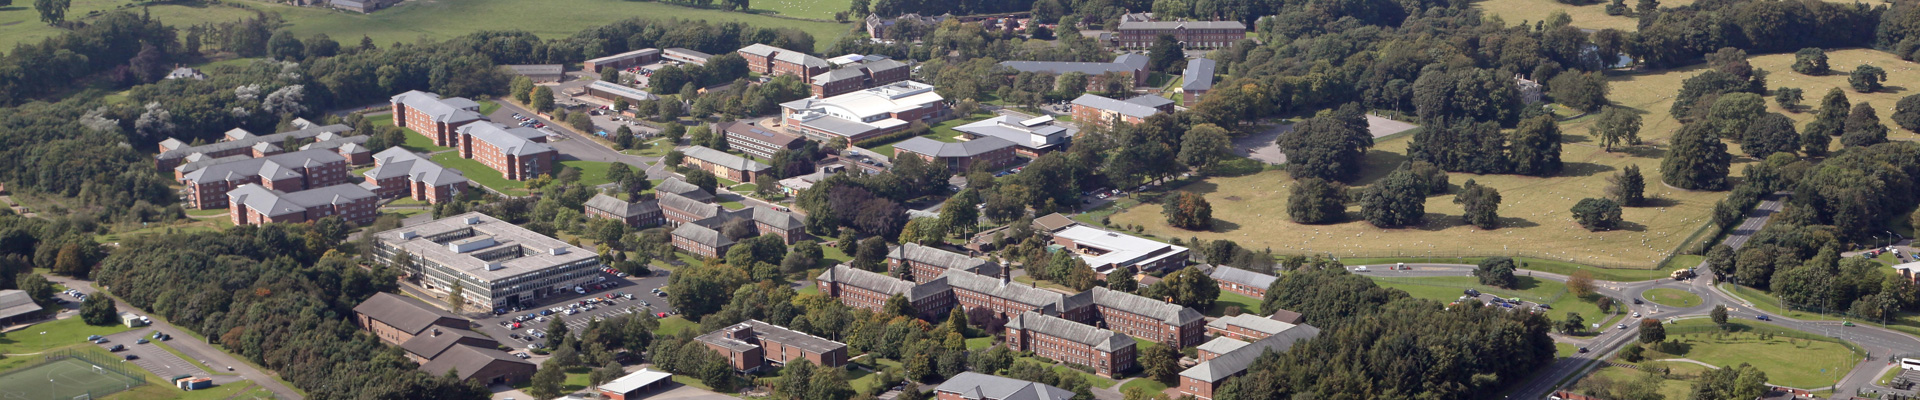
point(702, 235)
point(668, 200)
point(778, 219)
point(402, 312)
point(1053, 222)
point(1198, 75)
point(469, 360)
point(1251, 322)
point(1127, 108)
point(723, 159)
point(511, 141)
point(1182, 24)
point(440, 110)
point(242, 139)
point(935, 256)
point(1051, 301)
point(875, 281)
point(678, 187)
point(621, 208)
point(430, 346)
point(970, 148)
point(14, 303)
point(1100, 339)
point(1221, 345)
point(1170, 313)
point(397, 162)
point(978, 386)
point(1243, 277)
point(1231, 363)
point(274, 167)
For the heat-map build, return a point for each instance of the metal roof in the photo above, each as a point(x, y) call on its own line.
point(1128, 108)
point(14, 303)
point(635, 380)
point(978, 386)
point(440, 110)
point(723, 159)
point(1198, 75)
point(470, 360)
point(1232, 362)
point(935, 148)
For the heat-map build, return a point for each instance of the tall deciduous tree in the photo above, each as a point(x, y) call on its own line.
point(1811, 61)
point(1789, 98)
point(1627, 187)
point(1867, 78)
point(1497, 272)
point(1204, 146)
point(1481, 203)
point(1651, 330)
point(1536, 147)
point(1906, 113)
point(1768, 134)
point(1399, 200)
point(1580, 283)
point(1616, 126)
point(1317, 201)
point(1584, 91)
point(1331, 146)
point(1189, 211)
point(1697, 160)
point(1597, 214)
point(1863, 127)
point(542, 99)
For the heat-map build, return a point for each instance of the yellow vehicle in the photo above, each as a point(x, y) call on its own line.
point(1680, 274)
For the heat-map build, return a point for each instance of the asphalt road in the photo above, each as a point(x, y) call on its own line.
point(192, 348)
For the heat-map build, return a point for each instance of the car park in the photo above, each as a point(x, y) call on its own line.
point(117, 348)
point(141, 341)
point(131, 357)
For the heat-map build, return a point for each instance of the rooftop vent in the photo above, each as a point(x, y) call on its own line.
point(473, 220)
point(495, 266)
point(557, 251)
point(409, 235)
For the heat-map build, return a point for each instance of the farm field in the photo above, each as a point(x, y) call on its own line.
point(426, 19)
point(1250, 209)
point(1590, 16)
point(19, 23)
point(815, 9)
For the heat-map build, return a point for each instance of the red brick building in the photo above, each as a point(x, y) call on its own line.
point(767, 221)
point(518, 153)
point(624, 60)
point(722, 164)
point(929, 262)
point(1247, 327)
point(1097, 110)
point(485, 365)
point(400, 173)
point(1196, 81)
point(749, 345)
point(959, 158)
point(644, 213)
point(437, 118)
point(1190, 34)
point(207, 187)
point(1141, 317)
point(701, 241)
point(256, 205)
point(1248, 283)
point(771, 61)
point(680, 210)
point(753, 140)
point(1107, 352)
point(395, 319)
point(174, 154)
point(864, 114)
point(859, 75)
point(1224, 358)
point(870, 291)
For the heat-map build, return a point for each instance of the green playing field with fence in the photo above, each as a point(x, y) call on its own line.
point(69, 375)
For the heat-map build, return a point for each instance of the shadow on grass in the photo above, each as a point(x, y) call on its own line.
point(1574, 169)
point(1644, 151)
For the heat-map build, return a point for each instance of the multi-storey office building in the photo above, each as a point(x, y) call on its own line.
point(496, 263)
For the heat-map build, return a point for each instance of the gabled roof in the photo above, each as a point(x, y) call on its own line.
point(776, 218)
point(511, 141)
point(1242, 277)
point(1221, 345)
point(1051, 301)
point(274, 167)
point(240, 139)
point(403, 313)
point(440, 110)
point(1053, 222)
point(470, 360)
point(670, 201)
point(878, 282)
point(621, 208)
point(702, 235)
point(1251, 322)
point(1231, 363)
point(676, 186)
point(1133, 61)
point(1156, 25)
point(14, 303)
point(978, 386)
point(1172, 314)
point(763, 331)
point(1099, 339)
point(1198, 75)
point(272, 203)
point(935, 256)
point(723, 159)
point(397, 162)
point(1131, 109)
point(431, 345)
point(935, 148)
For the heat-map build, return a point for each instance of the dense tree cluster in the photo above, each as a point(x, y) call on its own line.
point(1189, 210)
point(1331, 146)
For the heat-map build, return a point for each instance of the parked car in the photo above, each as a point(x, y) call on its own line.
point(131, 357)
point(141, 341)
point(117, 348)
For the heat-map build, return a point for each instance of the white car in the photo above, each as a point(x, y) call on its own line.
point(1362, 268)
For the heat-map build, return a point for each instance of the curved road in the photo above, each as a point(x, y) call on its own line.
point(1878, 342)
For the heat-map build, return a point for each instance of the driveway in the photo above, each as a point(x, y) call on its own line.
point(1260, 145)
point(187, 345)
point(159, 361)
point(573, 146)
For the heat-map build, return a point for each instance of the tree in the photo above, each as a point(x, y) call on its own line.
point(1768, 134)
point(1188, 287)
point(1121, 281)
point(1481, 203)
point(1719, 314)
point(1906, 113)
point(1811, 61)
point(52, 12)
point(1627, 187)
point(1634, 352)
point(611, 75)
point(1399, 200)
point(1497, 272)
point(319, 45)
point(1160, 362)
point(1697, 160)
point(1580, 283)
point(960, 213)
point(1866, 78)
point(581, 122)
point(1585, 91)
point(1739, 382)
point(283, 46)
point(1863, 127)
point(1189, 211)
point(1618, 125)
point(1331, 146)
point(1204, 146)
point(1834, 106)
point(542, 99)
point(1573, 324)
point(1597, 214)
point(1652, 331)
point(899, 306)
point(557, 332)
point(1536, 147)
point(1720, 259)
point(1788, 98)
point(702, 179)
point(97, 310)
point(1164, 53)
point(1645, 7)
point(1732, 112)
point(1317, 201)
point(457, 298)
point(546, 380)
point(522, 89)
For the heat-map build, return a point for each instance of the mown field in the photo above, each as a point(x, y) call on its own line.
point(1590, 16)
point(1251, 209)
point(441, 19)
point(19, 23)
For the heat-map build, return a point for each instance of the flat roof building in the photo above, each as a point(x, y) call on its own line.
point(755, 140)
point(864, 114)
point(497, 263)
point(624, 60)
point(632, 386)
point(1030, 136)
point(687, 56)
point(539, 73)
point(749, 345)
point(609, 92)
point(1107, 251)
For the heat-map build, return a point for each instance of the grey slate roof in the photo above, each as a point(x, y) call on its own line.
point(978, 386)
point(1050, 301)
point(702, 235)
point(538, 69)
point(1233, 362)
point(440, 110)
point(882, 283)
point(937, 148)
point(1133, 61)
point(1242, 277)
point(274, 167)
point(431, 346)
point(679, 203)
point(511, 141)
point(271, 202)
point(396, 162)
point(336, 143)
point(1183, 24)
point(1251, 322)
point(1062, 67)
point(402, 312)
point(931, 255)
point(620, 208)
point(676, 186)
point(242, 139)
point(722, 158)
point(776, 218)
point(1150, 101)
point(1221, 345)
point(1100, 339)
point(1198, 75)
point(14, 303)
point(1123, 107)
point(470, 360)
point(197, 161)
point(788, 337)
point(1170, 313)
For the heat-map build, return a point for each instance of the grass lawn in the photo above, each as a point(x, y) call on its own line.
point(732, 205)
point(1677, 385)
point(408, 22)
point(359, 172)
point(592, 173)
point(1906, 322)
point(209, 213)
point(1093, 380)
point(1228, 299)
point(481, 174)
point(1447, 289)
point(979, 343)
point(674, 324)
point(19, 23)
point(1564, 350)
point(1534, 209)
point(1148, 384)
point(1683, 261)
point(416, 142)
point(1791, 362)
point(815, 9)
point(941, 132)
point(1591, 16)
point(1673, 297)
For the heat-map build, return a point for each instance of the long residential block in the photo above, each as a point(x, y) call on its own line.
point(750, 345)
point(257, 205)
point(1107, 352)
point(398, 172)
point(430, 115)
point(207, 186)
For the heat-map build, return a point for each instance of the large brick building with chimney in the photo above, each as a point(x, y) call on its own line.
point(772, 61)
point(930, 262)
point(870, 291)
point(1190, 34)
point(1226, 357)
point(1106, 352)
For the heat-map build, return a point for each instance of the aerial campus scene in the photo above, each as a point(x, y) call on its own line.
point(968, 200)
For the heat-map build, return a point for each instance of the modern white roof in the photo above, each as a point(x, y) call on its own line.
point(863, 110)
point(1035, 133)
point(453, 243)
point(1122, 249)
point(635, 380)
point(1140, 107)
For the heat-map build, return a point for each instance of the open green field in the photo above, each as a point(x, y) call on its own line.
point(674, 324)
point(481, 174)
point(58, 333)
point(1447, 289)
point(592, 173)
point(1590, 16)
point(1672, 297)
point(1906, 322)
point(428, 19)
point(19, 23)
point(1246, 303)
point(1800, 363)
point(1677, 384)
point(1535, 210)
point(1143, 383)
point(815, 9)
point(942, 131)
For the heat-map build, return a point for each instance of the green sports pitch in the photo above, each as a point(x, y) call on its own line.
point(64, 378)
